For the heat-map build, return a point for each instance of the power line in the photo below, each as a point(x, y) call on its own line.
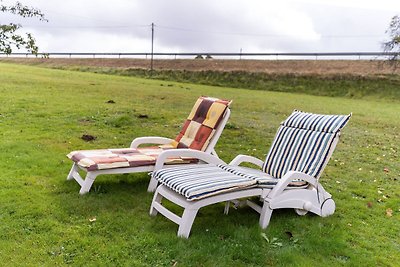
point(85, 17)
point(89, 27)
point(322, 36)
point(262, 34)
point(173, 28)
point(94, 19)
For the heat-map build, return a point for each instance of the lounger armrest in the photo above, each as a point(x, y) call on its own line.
point(191, 153)
point(239, 159)
point(289, 177)
point(150, 140)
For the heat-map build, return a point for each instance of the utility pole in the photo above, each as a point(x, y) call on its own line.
point(152, 48)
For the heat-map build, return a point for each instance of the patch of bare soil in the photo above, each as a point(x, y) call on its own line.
point(298, 67)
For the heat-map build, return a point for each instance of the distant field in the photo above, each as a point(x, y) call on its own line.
point(300, 67)
point(360, 79)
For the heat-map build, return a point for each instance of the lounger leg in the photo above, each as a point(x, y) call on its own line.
point(186, 222)
point(157, 198)
point(73, 170)
point(152, 185)
point(265, 215)
point(87, 184)
point(226, 209)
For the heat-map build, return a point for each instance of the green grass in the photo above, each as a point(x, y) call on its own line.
point(44, 221)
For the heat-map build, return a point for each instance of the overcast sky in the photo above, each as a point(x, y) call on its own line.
point(210, 25)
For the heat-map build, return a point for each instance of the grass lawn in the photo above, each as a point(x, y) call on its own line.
point(45, 222)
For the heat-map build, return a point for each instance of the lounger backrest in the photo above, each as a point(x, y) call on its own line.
point(304, 142)
point(205, 121)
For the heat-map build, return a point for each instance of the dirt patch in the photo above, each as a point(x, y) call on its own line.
point(300, 67)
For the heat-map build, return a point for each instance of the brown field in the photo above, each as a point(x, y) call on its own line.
point(299, 67)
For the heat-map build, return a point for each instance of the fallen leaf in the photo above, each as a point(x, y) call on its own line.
point(369, 204)
point(389, 212)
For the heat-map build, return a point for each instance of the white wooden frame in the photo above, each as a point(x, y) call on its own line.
point(87, 182)
point(314, 198)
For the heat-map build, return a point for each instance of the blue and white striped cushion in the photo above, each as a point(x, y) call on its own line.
point(200, 181)
point(203, 180)
point(263, 180)
point(302, 143)
point(316, 122)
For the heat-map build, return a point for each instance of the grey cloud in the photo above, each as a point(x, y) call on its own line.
point(208, 26)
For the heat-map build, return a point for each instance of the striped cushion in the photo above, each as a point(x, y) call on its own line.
point(203, 180)
point(263, 180)
point(302, 143)
point(316, 122)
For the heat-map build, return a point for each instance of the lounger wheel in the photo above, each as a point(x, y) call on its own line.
point(301, 212)
point(328, 207)
point(307, 206)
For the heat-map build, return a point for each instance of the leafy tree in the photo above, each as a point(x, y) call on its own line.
point(9, 33)
point(393, 45)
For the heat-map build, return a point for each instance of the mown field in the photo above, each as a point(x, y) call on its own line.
point(45, 222)
point(357, 79)
point(276, 67)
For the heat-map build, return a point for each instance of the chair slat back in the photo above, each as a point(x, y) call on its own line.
point(304, 142)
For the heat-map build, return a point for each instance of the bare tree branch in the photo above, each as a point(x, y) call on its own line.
point(393, 44)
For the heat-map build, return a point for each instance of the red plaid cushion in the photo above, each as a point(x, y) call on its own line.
point(102, 159)
point(200, 126)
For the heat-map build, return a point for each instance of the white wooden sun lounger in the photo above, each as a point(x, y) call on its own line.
point(288, 178)
point(200, 131)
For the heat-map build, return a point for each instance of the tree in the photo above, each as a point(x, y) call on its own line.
point(10, 37)
point(393, 45)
